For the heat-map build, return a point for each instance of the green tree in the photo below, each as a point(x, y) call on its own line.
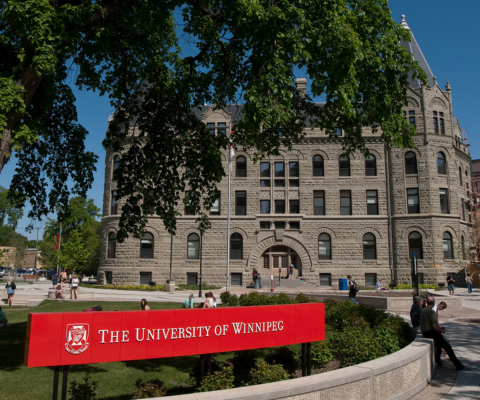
point(9, 212)
point(73, 255)
point(238, 51)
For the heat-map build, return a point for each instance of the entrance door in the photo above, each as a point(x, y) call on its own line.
point(280, 257)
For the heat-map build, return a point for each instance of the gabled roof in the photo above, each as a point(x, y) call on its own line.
point(414, 49)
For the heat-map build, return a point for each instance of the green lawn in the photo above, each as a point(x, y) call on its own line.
point(115, 380)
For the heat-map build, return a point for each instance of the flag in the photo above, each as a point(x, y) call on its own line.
point(58, 242)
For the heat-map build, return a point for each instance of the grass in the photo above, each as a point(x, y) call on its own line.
point(115, 380)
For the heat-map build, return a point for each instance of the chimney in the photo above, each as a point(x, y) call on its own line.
point(301, 84)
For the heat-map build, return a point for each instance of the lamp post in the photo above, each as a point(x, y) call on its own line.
point(200, 282)
point(231, 153)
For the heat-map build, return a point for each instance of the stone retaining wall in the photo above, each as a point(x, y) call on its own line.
point(397, 376)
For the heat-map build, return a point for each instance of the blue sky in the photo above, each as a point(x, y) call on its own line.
point(447, 32)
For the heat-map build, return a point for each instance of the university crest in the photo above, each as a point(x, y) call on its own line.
point(77, 336)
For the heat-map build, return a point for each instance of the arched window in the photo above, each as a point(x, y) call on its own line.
point(344, 166)
point(236, 247)
point(441, 163)
point(460, 175)
point(324, 247)
point(317, 166)
point(116, 163)
point(146, 245)
point(463, 247)
point(410, 163)
point(447, 245)
point(370, 165)
point(193, 246)
point(112, 245)
point(369, 247)
point(241, 167)
point(415, 245)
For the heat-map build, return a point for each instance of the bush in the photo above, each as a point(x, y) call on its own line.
point(194, 373)
point(153, 388)
point(83, 391)
point(225, 297)
point(284, 356)
point(243, 362)
point(403, 286)
point(219, 380)
point(303, 298)
point(266, 373)
point(321, 354)
point(424, 286)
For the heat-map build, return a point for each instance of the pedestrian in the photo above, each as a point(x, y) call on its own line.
point(469, 281)
point(378, 285)
point(415, 313)
point(55, 279)
point(353, 289)
point(291, 271)
point(254, 278)
point(3, 319)
point(433, 330)
point(451, 285)
point(74, 287)
point(189, 302)
point(10, 286)
point(144, 305)
point(258, 279)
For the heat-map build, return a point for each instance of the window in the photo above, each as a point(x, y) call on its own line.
point(317, 166)
point(264, 224)
point(441, 163)
point(265, 173)
point(372, 202)
point(279, 206)
point(337, 131)
point(420, 278)
point(463, 210)
point(116, 163)
point(266, 261)
point(370, 166)
point(344, 166)
point(369, 247)
point(345, 202)
point(324, 247)
point(460, 175)
point(279, 170)
point(415, 245)
point(108, 277)
point(222, 125)
point(189, 209)
point(442, 123)
point(279, 225)
point(319, 202)
point(192, 278)
point(113, 203)
point(240, 203)
point(435, 122)
point(412, 201)
point(193, 246)
point(236, 279)
point(215, 208)
point(447, 246)
point(294, 170)
point(264, 182)
point(212, 126)
point(294, 207)
point(325, 279)
point(370, 279)
point(112, 245)
point(411, 117)
point(444, 201)
point(410, 163)
point(295, 225)
point(241, 167)
point(264, 206)
point(145, 278)
point(463, 247)
point(279, 182)
point(293, 183)
point(236, 247)
point(146, 245)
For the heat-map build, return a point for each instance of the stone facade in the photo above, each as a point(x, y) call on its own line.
point(438, 133)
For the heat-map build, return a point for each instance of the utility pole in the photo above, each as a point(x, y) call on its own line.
point(58, 248)
point(36, 251)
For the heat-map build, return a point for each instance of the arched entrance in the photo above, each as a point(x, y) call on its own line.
point(276, 257)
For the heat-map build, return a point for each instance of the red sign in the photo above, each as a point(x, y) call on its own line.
point(57, 246)
point(94, 337)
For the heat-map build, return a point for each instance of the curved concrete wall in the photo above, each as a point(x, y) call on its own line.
point(397, 376)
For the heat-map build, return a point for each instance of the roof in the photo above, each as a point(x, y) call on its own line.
point(476, 167)
point(414, 49)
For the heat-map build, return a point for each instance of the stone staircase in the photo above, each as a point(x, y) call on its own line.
point(22, 302)
point(291, 284)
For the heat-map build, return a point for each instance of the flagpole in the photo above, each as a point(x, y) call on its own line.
point(228, 206)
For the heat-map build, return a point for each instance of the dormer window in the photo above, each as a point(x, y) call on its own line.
point(438, 122)
point(219, 127)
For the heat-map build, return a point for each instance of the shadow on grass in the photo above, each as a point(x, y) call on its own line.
point(183, 364)
point(87, 368)
point(12, 346)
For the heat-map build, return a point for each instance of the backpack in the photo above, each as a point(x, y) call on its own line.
point(13, 286)
point(355, 286)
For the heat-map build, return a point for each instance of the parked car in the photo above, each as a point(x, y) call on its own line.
point(50, 273)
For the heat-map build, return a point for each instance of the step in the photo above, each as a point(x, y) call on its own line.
point(23, 302)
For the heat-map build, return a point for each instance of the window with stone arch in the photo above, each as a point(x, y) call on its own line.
point(410, 163)
point(415, 245)
point(370, 165)
point(317, 165)
point(193, 247)
point(112, 245)
point(146, 245)
point(441, 163)
point(460, 175)
point(344, 165)
point(369, 247)
point(241, 167)
point(236, 247)
point(447, 246)
point(324, 247)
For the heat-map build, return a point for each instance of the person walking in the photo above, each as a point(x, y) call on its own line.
point(144, 305)
point(451, 285)
point(433, 330)
point(254, 278)
point(292, 267)
point(55, 279)
point(10, 286)
point(352, 292)
point(469, 281)
point(258, 279)
point(74, 287)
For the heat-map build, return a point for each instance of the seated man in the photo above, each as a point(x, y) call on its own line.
point(3, 319)
point(431, 329)
point(415, 313)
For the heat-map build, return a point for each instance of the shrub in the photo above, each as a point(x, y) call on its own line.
point(403, 286)
point(219, 380)
point(225, 297)
point(303, 298)
point(152, 388)
point(243, 362)
point(321, 354)
point(194, 373)
point(83, 391)
point(424, 286)
point(266, 373)
point(283, 356)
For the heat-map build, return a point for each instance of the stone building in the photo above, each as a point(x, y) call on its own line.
point(327, 214)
